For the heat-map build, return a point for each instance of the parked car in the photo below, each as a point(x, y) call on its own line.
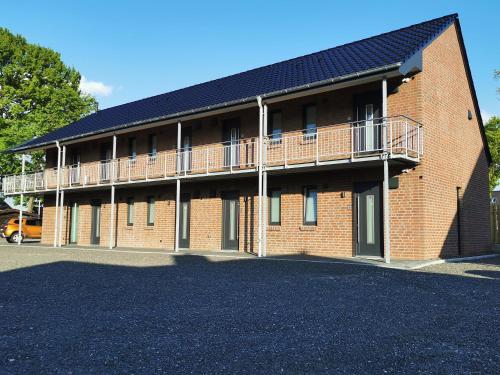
point(31, 228)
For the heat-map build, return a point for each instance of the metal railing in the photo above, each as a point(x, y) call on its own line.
point(352, 141)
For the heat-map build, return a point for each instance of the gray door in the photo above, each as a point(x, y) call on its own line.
point(230, 220)
point(95, 225)
point(368, 218)
point(184, 221)
point(73, 231)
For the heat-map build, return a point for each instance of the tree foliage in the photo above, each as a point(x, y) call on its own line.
point(492, 128)
point(38, 94)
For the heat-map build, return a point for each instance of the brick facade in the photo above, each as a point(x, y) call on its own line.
point(424, 219)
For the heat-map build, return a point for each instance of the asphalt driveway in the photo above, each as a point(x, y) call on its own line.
point(82, 311)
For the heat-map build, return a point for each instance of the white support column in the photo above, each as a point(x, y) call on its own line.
point(264, 184)
point(56, 226)
point(23, 187)
point(178, 188)
point(112, 208)
point(61, 203)
point(387, 216)
point(261, 130)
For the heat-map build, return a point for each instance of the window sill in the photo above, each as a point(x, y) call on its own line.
point(274, 228)
point(129, 227)
point(308, 228)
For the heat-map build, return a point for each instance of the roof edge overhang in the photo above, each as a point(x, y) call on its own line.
point(275, 96)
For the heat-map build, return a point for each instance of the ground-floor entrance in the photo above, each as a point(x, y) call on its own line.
point(230, 220)
point(368, 218)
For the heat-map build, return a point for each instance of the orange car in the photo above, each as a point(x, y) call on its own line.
point(31, 228)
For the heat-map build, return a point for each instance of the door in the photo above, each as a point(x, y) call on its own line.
point(231, 143)
point(73, 225)
point(95, 226)
point(230, 220)
point(75, 168)
point(368, 218)
point(106, 155)
point(186, 154)
point(184, 220)
point(367, 135)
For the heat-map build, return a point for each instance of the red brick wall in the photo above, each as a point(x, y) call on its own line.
point(423, 208)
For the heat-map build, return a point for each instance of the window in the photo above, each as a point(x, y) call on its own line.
point(132, 148)
point(30, 222)
point(274, 126)
point(275, 207)
point(310, 205)
point(152, 146)
point(310, 120)
point(151, 211)
point(130, 211)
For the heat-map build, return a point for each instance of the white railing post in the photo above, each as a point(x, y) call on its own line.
point(285, 149)
point(352, 142)
point(317, 147)
point(406, 138)
point(207, 160)
point(165, 166)
point(391, 138)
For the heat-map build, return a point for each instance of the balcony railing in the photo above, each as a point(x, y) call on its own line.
point(347, 142)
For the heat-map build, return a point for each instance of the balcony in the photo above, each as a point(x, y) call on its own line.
point(333, 144)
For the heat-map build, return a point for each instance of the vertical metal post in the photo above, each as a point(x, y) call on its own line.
point(61, 205)
point(206, 150)
point(259, 227)
point(56, 227)
point(285, 151)
point(317, 147)
point(264, 182)
point(387, 217)
point(406, 138)
point(178, 189)
point(23, 187)
point(112, 207)
point(352, 141)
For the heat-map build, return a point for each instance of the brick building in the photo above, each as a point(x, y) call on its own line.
point(373, 148)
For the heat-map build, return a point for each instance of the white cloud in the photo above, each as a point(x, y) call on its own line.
point(95, 87)
point(485, 116)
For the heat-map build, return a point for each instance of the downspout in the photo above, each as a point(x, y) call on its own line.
point(178, 188)
point(112, 208)
point(23, 187)
point(61, 202)
point(57, 193)
point(265, 210)
point(259, 236)
point(387, 216)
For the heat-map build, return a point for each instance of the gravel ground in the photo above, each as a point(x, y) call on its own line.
point(82, 312)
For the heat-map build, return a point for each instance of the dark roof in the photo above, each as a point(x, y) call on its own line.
point(381, 51)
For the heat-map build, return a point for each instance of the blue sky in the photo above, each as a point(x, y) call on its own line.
point(129, 50)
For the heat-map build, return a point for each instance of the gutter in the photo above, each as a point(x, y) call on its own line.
point(177, 115)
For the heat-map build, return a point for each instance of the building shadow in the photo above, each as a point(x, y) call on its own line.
point(185, 313)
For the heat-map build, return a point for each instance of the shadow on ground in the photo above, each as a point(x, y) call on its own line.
point(206, 315)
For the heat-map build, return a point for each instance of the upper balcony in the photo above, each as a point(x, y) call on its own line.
point(352, 142)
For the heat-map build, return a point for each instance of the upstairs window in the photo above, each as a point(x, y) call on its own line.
point(132, 148)
point(152, 146)
point(274, 126)
point(310, 121)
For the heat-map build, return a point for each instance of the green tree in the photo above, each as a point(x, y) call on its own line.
point(38, 94)
point(492, 128)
